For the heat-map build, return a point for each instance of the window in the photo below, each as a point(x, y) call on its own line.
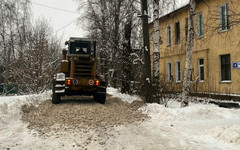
point(80, 47)
point(223, 11)
point(178, 71)
point(199, 25)
point(177, 32)
point(186, 28)
point(169, 72)
point(168, 35)
point(201, 69)
point(225, 67)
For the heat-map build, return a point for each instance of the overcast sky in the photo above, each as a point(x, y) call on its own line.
point(59, 19)
point(63, 21)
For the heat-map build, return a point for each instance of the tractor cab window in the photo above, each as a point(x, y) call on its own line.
point(80, 47)
point(80, 50)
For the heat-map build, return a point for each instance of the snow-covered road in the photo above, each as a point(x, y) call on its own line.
point(197, 127)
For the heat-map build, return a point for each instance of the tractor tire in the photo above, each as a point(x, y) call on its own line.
point(100, 97)
point(56, 98)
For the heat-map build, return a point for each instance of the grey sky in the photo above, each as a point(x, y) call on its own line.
point(59, 19)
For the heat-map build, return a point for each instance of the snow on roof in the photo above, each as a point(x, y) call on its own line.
point(180, 4)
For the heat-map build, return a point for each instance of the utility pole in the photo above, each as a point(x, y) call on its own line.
point(146, 48)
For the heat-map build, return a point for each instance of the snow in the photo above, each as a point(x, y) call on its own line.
point(12, 130)
point(124, 97)
point(207, 125)
point(230, 134)
point(60, 91)
point(199, 126)
point(60, 77)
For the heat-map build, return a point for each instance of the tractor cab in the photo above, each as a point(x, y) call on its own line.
point(81, 46)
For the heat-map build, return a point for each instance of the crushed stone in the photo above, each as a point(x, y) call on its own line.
point(81, 114)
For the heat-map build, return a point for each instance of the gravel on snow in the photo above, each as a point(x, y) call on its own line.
point(84, 114)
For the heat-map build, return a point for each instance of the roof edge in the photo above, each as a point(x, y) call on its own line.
point(174, 11)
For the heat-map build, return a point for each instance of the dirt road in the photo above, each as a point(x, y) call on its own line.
point(84, 114)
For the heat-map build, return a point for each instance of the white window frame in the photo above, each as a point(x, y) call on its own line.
point(178, 71)
point(169, 72)
point(199, 70)
point(169, 34)
point(200, 25)
point(226, 18)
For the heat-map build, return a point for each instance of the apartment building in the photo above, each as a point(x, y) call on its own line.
point(216, 54)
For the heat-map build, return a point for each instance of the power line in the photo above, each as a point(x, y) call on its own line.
point(55, 8)
point(65, 26)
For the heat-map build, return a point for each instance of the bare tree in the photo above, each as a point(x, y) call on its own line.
point(41, 57)
point(13, 16)
point(29, 52)
point(156, 40)
point(156, 46)
point(188, 63)
point(127, 51)
point(107, 23)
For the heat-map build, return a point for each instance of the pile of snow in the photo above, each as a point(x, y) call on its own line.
point(12, 130)
point(199, 126)
point(193, 112)
point(205, 123)
point(228, 134)
point(125, 97)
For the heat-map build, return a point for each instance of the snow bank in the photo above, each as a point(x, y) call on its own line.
point(10, 106)
point(209, 125)
point(125, 97)
point(229, 134)
point(12, 129)
point(193, 112)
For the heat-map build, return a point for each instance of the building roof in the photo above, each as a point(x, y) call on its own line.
point(174, 11)
point(180, 8)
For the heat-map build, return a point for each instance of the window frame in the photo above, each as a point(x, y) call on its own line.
point(169, 35)
point(221, 67)
point(177, 32)
point(199, 70)
point(226, 17)
point(169, 72)
point(199, 25)
point(178, 71)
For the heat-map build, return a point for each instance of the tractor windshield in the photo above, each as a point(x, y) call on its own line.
point(80, 47)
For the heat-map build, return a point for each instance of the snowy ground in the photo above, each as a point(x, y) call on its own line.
point(197, 127)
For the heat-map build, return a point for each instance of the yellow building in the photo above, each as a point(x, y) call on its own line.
point(216, 54)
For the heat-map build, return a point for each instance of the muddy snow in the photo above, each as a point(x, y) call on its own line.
point(124, 122)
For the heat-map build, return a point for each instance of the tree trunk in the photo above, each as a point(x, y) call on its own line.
point(7, 73)
point(146, 48)
point(156, 40)
point(115, 53)
point(104, 39)
point(127, 63)
point(188, 63)
point(156, 54)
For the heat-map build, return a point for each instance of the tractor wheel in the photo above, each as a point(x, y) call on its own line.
point(100, 97)
point(56, 98)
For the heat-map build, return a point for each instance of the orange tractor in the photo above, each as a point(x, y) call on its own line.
point(78, 74)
